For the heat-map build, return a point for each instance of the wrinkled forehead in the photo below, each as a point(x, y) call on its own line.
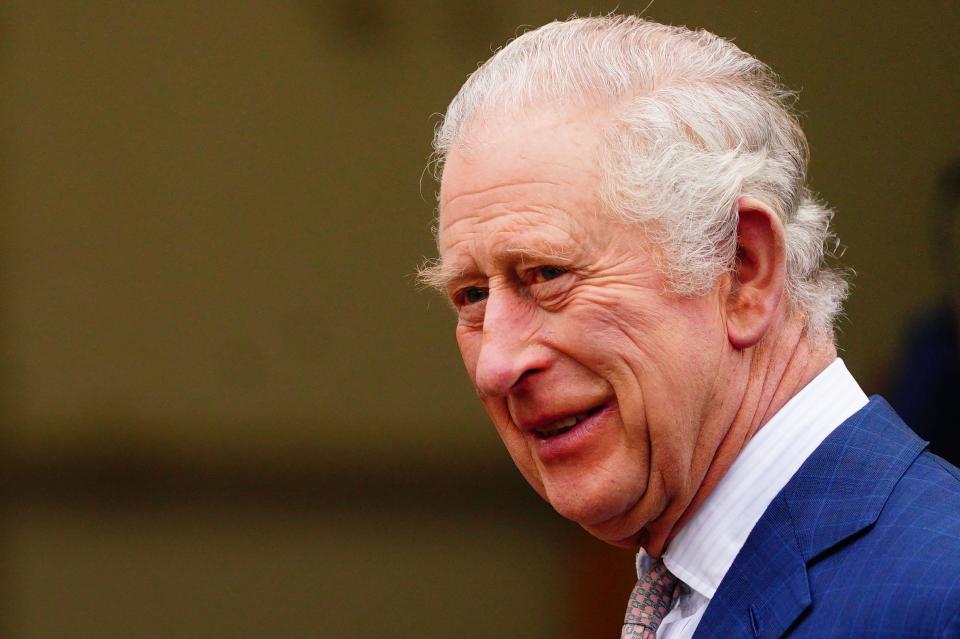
point(523, 188)
point(550, 204)
point(505, 147)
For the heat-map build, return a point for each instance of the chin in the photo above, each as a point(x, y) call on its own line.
point(619, 531)
point(600, 510)
point(613, 514)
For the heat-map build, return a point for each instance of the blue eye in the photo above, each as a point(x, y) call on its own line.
point(474, 294)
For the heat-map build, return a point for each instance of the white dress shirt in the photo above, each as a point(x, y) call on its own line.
point(705, 548)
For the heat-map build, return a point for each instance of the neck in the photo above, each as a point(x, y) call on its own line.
point(765, 377)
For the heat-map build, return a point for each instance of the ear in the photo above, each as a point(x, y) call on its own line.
point(759, 274)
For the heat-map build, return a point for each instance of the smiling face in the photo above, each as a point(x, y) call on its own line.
point(600, 383)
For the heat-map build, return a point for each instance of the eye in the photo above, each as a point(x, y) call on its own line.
point(472, 295)
point(546, 273)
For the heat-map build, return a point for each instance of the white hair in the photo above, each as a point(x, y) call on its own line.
point(695, 123)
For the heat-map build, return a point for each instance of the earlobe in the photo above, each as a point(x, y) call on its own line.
point(759, 274)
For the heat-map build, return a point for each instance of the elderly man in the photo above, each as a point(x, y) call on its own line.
point(645, 312)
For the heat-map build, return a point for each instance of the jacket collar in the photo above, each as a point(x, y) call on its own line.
point(838, 491)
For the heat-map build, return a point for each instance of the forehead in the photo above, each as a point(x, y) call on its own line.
point(523, 180)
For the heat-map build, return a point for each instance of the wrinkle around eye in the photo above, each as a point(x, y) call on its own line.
point(548, 273)
point(471, 315)
point(553, 294)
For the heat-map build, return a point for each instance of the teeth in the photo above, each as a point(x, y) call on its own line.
point(561, 425)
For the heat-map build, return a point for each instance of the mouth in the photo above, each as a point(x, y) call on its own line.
point(564, 438)
point(565, 424)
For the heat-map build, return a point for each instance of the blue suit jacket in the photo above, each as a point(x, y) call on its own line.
point(864, 541)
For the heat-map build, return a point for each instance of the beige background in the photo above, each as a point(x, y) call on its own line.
point(211, 217)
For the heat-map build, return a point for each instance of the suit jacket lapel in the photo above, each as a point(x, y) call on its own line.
point(768, 569)
point(838, 491)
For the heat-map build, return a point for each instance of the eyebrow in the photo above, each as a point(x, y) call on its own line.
point(545, 252)
point(437, 274)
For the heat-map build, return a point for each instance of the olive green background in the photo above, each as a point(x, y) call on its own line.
point(211, 217)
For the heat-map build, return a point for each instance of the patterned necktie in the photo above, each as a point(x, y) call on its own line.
point(649, 602)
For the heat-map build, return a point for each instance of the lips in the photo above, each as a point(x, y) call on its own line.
point(562, 425)
point(550, 426)
point(567, 436)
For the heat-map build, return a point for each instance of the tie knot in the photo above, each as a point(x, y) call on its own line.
point(649, 602)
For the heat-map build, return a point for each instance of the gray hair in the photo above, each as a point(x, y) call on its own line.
point(695, 123)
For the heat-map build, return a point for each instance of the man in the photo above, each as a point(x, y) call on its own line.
point(644, 310)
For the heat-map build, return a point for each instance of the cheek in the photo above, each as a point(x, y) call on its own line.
point(612, 340)
point(515, 444)
point(658, 354)
point(469, 340)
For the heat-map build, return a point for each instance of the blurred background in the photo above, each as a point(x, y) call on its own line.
point(227, 411)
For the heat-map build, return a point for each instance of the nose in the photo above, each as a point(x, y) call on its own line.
point(510, 350)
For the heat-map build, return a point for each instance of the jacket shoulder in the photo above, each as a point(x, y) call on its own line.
point(902, 574)
point(898, 575)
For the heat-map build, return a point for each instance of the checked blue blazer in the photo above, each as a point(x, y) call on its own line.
point(864, 541)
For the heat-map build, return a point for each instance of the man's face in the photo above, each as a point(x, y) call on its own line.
point(598, 381)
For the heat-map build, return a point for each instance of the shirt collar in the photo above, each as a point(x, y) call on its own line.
point(705, 548)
